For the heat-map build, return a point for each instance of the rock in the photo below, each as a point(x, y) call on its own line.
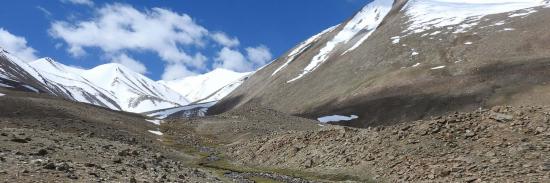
point(500, 117)
point(133, 180)
point(18, 140)
point(545, 167)
point(308, 163)
point(72, 176)
point(124, 152)
point(37, 162)
point(49, 166)
point(159, 156)
point(117, 160)
point(62, 166)
point(469, 133)
point(42, 152)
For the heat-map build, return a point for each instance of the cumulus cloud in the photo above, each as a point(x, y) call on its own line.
point(176, 71)
point(259, 55)
point(79, 2)
point(120, 29)
point(225, 40)
point(234, 60)
point(130, 63)
point(17, 46)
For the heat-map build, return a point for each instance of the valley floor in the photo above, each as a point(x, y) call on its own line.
point(44, 139)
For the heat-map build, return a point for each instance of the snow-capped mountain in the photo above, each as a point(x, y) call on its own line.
point(410, 59)
point(110, 85)
point(208, 87)
point(135, 92)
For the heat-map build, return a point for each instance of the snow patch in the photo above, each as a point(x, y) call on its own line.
point(429, 14)
point(156, 132)
point(414, 53)
point(468, 43)
point(416, 65)
point(336, 118)
point(508, 29)
point(5, 86)
point(1, 94)
point(438, 67)
point(522, 14)
point(154, 121)
point(395, 39)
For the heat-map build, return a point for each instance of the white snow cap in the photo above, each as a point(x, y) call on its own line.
point(428, 14)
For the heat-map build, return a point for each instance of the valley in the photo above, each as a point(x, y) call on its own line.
point(402, 91)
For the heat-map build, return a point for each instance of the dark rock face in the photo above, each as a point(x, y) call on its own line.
point(421, 76)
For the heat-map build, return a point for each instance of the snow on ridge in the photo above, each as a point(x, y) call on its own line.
point(428, 14)
point(368, 19)
point(336, 118)
point(198, 87)
point(301, 48)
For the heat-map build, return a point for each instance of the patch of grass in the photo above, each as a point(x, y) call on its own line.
point(263, 180)
point(223, 164)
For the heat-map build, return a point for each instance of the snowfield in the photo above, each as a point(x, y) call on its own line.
point(336, 118)
point(429, 14)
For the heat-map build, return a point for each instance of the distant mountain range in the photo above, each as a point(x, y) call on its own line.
point(113, 85)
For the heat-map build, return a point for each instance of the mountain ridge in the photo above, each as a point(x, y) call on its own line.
point(401, 73)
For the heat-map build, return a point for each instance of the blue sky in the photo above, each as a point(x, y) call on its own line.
point(166, 39)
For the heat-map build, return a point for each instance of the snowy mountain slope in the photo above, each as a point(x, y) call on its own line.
point(416, 59)
point(133, 91)
point(214, 85)
point(111, 85)
point(191, 110)
point(77, 88)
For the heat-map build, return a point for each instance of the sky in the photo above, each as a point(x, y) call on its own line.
point(166, 39)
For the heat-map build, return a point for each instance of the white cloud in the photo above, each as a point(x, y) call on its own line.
point(17, 45)
point(130, 63)
point(176, 38)
point(176, 71)
point(225, 40)
point(79, 2)
point(233, 59)
point(44, 10)
point(259, 55)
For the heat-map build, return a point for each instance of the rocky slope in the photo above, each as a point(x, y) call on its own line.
point(46, 139)
point(405, 60)
point(498, 145)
